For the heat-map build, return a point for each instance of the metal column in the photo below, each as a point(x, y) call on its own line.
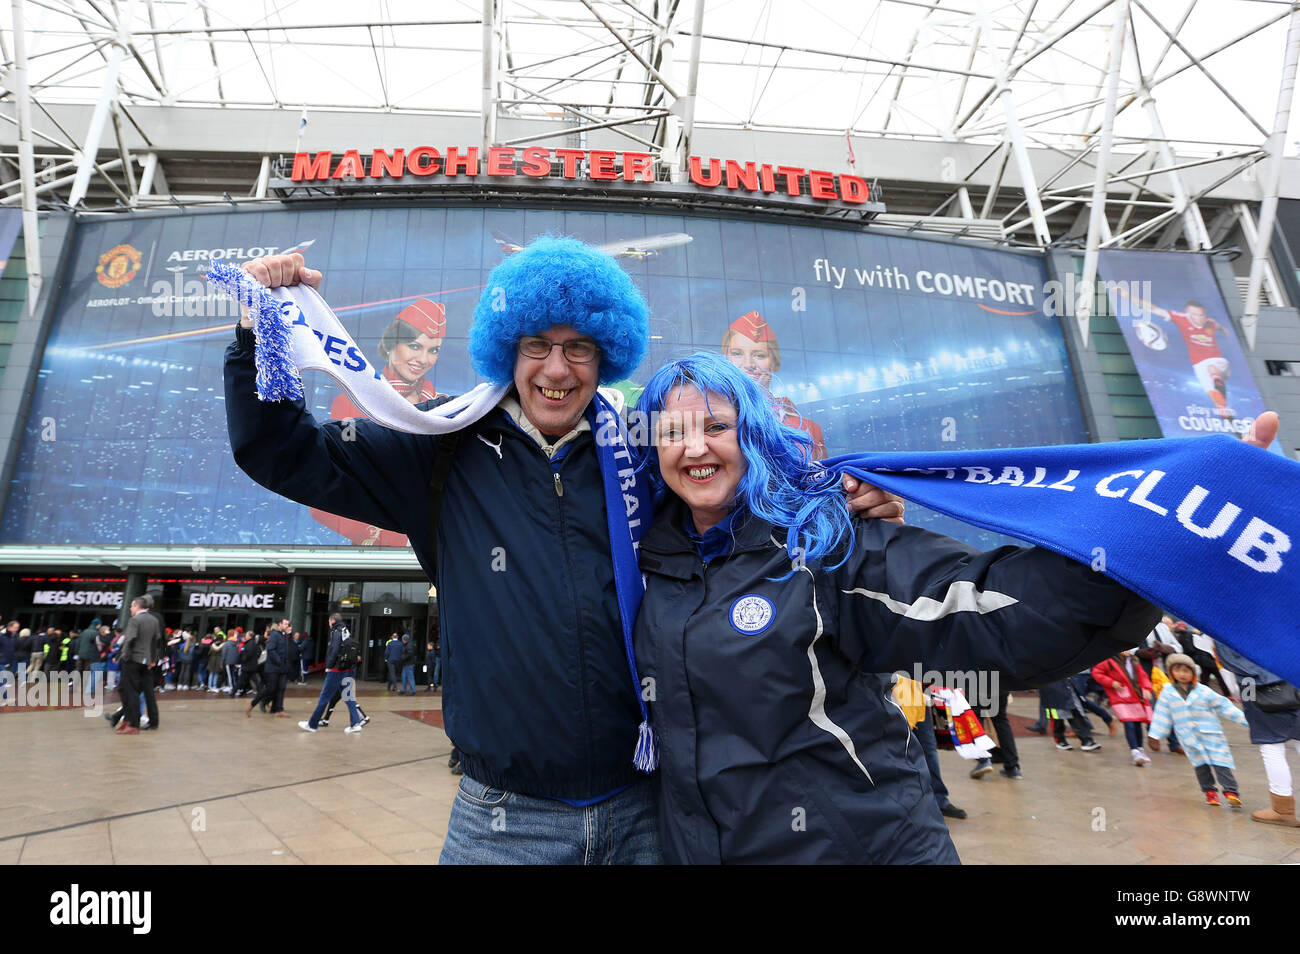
point(1096, 219)
point(1272, 178)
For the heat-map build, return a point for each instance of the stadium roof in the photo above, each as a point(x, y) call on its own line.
point(988, 117)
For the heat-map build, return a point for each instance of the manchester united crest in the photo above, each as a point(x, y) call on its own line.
point(118, 266)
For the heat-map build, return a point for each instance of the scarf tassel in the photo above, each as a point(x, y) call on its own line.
point(646, 758)
point(278, 377)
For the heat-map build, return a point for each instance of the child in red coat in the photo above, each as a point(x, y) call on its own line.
point(1128, 689)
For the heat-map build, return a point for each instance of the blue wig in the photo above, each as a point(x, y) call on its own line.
point(559, 281)
point(782, 483)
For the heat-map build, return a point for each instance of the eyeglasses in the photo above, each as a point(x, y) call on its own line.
point(578, 351)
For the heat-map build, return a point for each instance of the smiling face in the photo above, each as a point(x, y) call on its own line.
point(755, 358)
point(553, 391)
point(699, 453)
point(1197, 316)
point(413, 359)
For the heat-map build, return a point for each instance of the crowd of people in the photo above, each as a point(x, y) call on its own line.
point(1175, 688)
point(237, 663)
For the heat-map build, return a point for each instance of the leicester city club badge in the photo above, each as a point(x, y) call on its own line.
point(751, 615)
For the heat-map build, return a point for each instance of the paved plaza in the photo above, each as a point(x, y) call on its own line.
point(214, 787)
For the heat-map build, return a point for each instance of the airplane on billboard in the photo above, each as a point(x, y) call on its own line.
point(639, 249)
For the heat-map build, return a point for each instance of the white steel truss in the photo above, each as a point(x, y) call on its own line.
point(1043, 115)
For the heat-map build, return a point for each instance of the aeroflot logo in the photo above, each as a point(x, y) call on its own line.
point(77, 907)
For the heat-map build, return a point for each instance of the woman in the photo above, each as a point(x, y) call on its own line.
point(750, 344)
point(1272, 709)
point(1128, 689)
point(772, 622)
point(409, 348)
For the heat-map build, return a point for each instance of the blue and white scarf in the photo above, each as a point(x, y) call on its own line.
point(1203, 527)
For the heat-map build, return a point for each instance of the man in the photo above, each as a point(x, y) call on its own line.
point(230, 663)
point(1208, 362)
point(408, 666)
point(306, 656)
point(249, 652)
point(84, 653)
point(430, 666)
point(140, 651)
point(275, 673)
point(393, 658)
point(540, 702)
point(340, 679)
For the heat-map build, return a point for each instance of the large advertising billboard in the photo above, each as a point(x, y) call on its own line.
point(865, 341)
point(1187, 354)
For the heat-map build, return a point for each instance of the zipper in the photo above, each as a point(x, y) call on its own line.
point(559, 487)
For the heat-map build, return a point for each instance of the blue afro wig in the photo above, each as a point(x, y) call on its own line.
point(559, 281)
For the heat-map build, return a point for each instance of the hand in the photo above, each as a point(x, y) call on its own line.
point(1155, 744)
point(1263, 430)
point(868, 501)
point(1117, 685)
point(280, 271)
point(1146, 694)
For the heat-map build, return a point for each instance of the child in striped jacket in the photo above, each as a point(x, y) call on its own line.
point(1193, 711)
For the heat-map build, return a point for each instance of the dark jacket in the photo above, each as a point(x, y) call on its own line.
point(1060, 695)
point(779, 739)
point(249, 654)
point(86, 644)
point(308, 649)
point(393, 651)
point(543, 635)
point(337, 633)
point(408, 655)
point(23, 648)
point(229, 653)
point(8, 644)
point(277, 653)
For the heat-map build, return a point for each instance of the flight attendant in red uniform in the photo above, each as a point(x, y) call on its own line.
point(409, 347)
point(750, 344)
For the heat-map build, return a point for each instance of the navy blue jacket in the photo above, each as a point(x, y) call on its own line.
point(8, 642)
point(779, 738)
point(537, 694)
point(393, 651)
point(336, 643)
point(277, 653)
point(307, 650)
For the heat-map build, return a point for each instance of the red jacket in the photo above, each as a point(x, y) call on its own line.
point(1129, 701)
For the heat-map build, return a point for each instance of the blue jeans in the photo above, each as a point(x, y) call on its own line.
point(437, 672)
point(334, 682)
point(925, 735)
point(408, 678)
point(490, 826)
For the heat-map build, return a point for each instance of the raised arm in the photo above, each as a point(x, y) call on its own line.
point(356, 469)
point(909, 597)
point(1142, 303)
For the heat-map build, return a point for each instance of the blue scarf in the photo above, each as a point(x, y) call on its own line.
point(1203, 527)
